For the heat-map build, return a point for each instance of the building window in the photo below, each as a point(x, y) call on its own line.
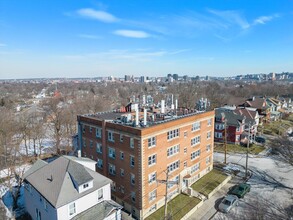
point(133, 196)
point(195, 141)
point(185, 150)
point(100, 194)
point(132, 179)
point(195, 168)
point(175, 181)
point(121, 155)
point(153, 208)
point(38, 214)
point(195, 154)
point(195, 126)
point(122, 190)
point(112, 153)
point(45, 205)
point(173, 166)
point(72, 209)
point(220, 126)
point(91, 129)
point(185, 134)
point(238, 129)
point(172, 134)
point(100, 163)
point(210, 122)
point(131, 142)
point(173, 150)
point(237, 137)
point(110, 136)
point(218, 135)
point(121, 137)
point(86, 185)
point(91, 144)
point(98, 132)
point(152, 177)
point(208, 147)
point(113, 187)
point(99, 148)
point(209, 134)
point(152, 142)
point(132, 161)
point(208, 160)
point(185, 164)
point(83, 128)
point(121, 172)
point(152, 159)
point(153, 195)
point(112, 169)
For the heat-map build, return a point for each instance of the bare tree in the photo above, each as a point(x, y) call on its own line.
point(283, 147)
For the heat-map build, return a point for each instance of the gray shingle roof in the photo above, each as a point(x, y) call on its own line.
point(55, 181)
point(37, 165)
point(231, 117)
point(99, 211)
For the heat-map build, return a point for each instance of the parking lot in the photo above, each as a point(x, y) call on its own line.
point(271, 191)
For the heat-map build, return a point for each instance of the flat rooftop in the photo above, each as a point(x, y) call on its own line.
point(153, 117)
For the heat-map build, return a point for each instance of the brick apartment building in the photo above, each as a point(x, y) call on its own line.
point(137, 147)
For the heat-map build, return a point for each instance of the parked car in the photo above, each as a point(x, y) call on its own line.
point(260, 139)
point(240, 190)
point(227, 203)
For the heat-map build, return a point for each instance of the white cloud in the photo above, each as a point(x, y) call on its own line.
point(132, 34)
point(232, 17)
point(264, 19)
point(98, 15)
point(89, 36)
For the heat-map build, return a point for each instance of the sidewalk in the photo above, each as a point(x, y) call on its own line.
point(208, 210)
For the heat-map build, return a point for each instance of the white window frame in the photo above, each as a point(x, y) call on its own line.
point(152, 141)
point(210, 121)
point(152, 177)
point(175, 133)
point(173, 166)
point(132, 161)
point(152, 159)
point(99, 148)
point(173, 150)
point(153, 195)
point(196, 126)
point(70, 209)
point(209, 135)
point(195, 141)
point(195, 154)
point(121, 155)
point(112, 169)
point(132, 179)
point(100, 194)
point(111, 136)
point(100, 163)
point(112, 152)
point(208, 148)
point(98, 132)
point(131, 142)
point(195, 168)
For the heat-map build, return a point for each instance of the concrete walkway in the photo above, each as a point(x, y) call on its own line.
point(208, 209)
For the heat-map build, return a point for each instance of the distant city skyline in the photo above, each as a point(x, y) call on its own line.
point(46, 39)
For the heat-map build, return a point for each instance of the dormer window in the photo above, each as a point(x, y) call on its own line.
point(85, 185)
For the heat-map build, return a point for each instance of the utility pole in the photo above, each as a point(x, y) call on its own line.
point(166, 192)
point(247, 149)
point(225, 141)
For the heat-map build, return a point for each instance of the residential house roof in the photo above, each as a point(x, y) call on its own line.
point(55, 180)
point(231, 117)
point(256, 102)
point(250, 115)
point(99, 211)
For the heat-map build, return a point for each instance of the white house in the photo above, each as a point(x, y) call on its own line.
point(65, 189)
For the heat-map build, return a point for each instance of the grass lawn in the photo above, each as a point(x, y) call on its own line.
point(178, 207)
point(209, 182)
point(277, 127)
point(235, 148)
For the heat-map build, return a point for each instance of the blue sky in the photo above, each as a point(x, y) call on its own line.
point(87, 38)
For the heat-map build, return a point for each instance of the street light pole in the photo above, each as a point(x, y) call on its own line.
point(247, 149)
